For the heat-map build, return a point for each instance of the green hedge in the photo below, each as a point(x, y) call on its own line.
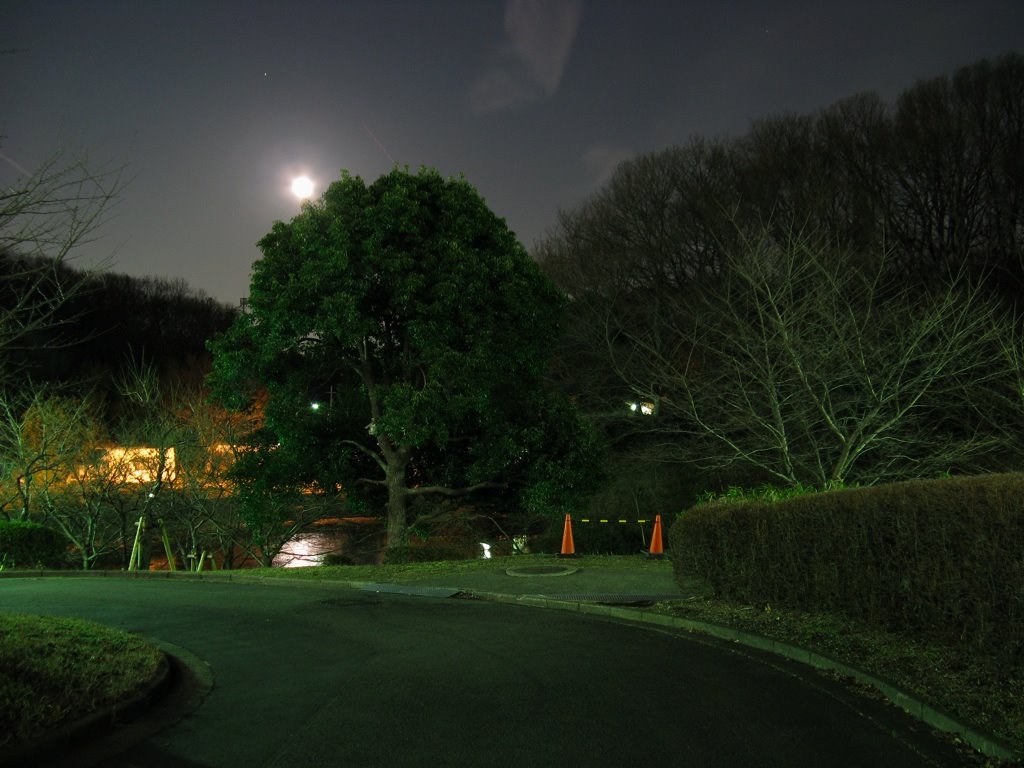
point(29, 545)
point(939, 557)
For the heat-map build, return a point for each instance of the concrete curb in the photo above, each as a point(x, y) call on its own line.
point(90, 726)
point(931, 716)
point(213, 576)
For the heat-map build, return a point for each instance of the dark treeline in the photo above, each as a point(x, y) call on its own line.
point(743, 288)
point(96, 361)
point(829, 299)
point(935, 180)
point(107, 321)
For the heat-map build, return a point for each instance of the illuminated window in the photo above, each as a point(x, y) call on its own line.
point(645, 407)
point(138, 464)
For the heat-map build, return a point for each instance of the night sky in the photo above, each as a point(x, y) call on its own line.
point(214, 106)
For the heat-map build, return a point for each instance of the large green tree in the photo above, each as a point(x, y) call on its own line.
point(408, 312)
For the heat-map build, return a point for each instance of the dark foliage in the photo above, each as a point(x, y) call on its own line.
point(426, 553)
point(941, 558)
point(925, 191)
point(408, 313)
point(25, 544)
point(108, 319)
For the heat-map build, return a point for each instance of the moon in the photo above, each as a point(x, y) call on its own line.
point(302, 187)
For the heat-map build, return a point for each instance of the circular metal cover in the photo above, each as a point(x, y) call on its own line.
point(541, 570)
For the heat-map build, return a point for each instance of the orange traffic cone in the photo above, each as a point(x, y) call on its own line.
point(657, 550)
point(568, 548)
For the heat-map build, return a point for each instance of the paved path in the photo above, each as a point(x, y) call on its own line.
point(320, 676)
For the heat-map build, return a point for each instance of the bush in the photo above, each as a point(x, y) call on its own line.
point(764, 492)
point(937, 557)
point(25, 544)
point(336, 558)
point(425, 553)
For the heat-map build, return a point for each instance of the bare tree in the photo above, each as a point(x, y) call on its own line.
point(186, 448)
point(57, 467)
point(954, 174)
point(90, 510)
point(650, 237)
point(208, 516)
point(867, 347)
point(811, 370)
point(44, 215)
point(42, 437)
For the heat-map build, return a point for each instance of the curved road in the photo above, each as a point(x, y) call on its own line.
point(319, 677)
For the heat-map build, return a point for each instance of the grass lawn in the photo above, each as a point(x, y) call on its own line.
point(423, 571)
point(55, 670)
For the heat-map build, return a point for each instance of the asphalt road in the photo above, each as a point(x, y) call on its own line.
point(319, 677)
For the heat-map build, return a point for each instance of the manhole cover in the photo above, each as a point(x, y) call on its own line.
point(541, 570)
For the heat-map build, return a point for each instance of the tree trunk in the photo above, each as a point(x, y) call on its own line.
point(397, 499)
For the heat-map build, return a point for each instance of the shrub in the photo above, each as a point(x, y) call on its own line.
point(936, 557)
point(336, 558)
point(24, 544)
point(760, 493)
point(424, 553)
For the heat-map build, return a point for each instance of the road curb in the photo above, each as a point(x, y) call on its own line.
point(90, 726)
point(931, 716)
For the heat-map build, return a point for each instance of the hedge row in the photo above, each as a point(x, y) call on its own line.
point(942, 557)
point(25, 544)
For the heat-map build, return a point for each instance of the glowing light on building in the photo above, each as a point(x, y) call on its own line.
point(136, 465)
point(644, 407)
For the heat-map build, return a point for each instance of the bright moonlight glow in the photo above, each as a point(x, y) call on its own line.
point(302, 187)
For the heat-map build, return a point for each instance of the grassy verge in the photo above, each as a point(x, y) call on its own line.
point(420, 571)
point(55, 670)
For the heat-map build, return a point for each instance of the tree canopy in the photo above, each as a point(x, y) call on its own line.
point(402, 336)
point(833, 297)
